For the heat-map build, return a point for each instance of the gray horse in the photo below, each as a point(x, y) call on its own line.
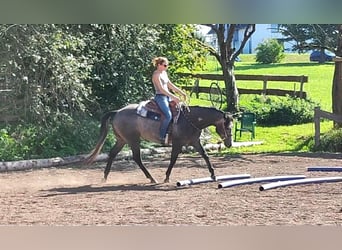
point(129, 128)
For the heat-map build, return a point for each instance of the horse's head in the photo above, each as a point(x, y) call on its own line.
point(224, 129)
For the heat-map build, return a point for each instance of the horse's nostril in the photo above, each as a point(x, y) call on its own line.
point(228, 143)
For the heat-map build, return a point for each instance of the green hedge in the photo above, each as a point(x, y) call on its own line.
point(63, 138)
point(270, 51)
point(274, 111)
point(331, 141)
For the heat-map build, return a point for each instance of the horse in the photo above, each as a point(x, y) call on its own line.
point(130, 128)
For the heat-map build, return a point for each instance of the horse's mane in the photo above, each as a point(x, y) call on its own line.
point(184, 107)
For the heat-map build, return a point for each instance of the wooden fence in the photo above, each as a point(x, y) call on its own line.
point(264, 78)
point(318, 114)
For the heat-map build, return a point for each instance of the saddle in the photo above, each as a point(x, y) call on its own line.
point(151, 110)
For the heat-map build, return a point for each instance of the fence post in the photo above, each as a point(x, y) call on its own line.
point(195, 88)
point(317, 121)
point(301, 87)
point(264, 86)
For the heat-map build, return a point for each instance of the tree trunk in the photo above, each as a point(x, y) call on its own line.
point(226, 55)
point(232, 92)
point(337, 81)
point(337, 91)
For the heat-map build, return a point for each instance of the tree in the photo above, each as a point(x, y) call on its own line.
point(61, 70)
point(311, 36)
point(321, 36)
point(55, 76)
point(226, 56)
point(121, 55)
point(179, 44)
point(337, 80)
point(45, 70)
point(269, 51)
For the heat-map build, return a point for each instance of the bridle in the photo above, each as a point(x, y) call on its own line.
point(226, 135)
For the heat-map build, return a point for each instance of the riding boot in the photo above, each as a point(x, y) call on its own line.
point(165, 141)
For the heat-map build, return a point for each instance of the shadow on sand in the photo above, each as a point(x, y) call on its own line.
point(99, 189)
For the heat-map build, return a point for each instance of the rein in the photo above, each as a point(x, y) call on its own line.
point(224, 138)
point(187, 118)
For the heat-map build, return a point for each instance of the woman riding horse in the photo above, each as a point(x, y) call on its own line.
point(163, 85)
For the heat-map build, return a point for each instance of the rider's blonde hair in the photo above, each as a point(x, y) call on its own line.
point(159, 60)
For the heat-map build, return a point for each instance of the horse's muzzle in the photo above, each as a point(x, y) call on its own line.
point(228, 142)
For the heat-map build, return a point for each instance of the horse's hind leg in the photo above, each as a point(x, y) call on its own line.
point(198, 146)
point(113, 152)
point(137, 158)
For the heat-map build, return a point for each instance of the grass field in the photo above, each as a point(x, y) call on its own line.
point(281, 138)
point(318, 86)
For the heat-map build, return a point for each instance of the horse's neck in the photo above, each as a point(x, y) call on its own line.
point(202, 117)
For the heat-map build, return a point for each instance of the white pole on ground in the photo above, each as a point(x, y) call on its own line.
point(299, 182)
point(259, 179)
point(209, 179)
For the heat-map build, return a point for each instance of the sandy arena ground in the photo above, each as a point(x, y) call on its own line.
point(77, 195)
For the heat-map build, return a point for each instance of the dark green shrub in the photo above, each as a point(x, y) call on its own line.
point(331, 141)
point(62, 138)
point(274, 111)
point(270, 51)
point(7, 145)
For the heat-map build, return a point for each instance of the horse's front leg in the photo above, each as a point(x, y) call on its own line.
point(198, 146)
point(137, 158)
point(176, 150)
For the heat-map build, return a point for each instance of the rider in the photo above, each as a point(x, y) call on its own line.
point(163, 96)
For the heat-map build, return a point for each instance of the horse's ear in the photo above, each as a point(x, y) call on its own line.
point(227, 114)
point(236, 115)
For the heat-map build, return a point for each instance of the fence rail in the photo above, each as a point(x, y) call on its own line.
point(264, 78)
point(318, 114)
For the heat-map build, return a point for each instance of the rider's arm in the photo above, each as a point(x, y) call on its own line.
point(176, 89)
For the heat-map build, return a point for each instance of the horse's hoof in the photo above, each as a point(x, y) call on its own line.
point(166, 181)
point(104, 180)
point(153, 181)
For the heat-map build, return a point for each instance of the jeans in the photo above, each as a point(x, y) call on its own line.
point(163, 103)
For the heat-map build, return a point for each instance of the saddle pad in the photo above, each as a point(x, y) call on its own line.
point(144, 112)
point(141, 110)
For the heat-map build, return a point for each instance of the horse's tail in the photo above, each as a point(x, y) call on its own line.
point(103, 134)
